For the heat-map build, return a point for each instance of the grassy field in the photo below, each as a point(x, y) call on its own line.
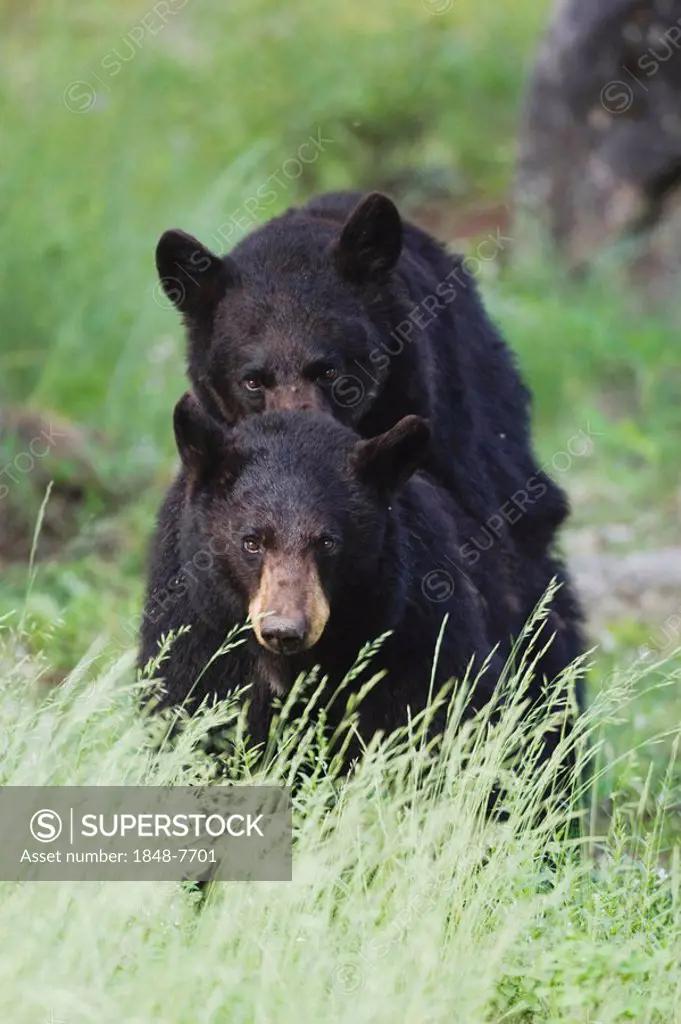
point(405, 903)
point(116, 123)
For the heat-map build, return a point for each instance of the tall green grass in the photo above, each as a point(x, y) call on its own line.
point(407, 900)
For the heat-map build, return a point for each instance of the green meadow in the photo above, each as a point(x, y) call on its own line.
point(117, 122)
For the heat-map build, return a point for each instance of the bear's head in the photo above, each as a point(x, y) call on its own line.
point(293, 319)
point(287, 515)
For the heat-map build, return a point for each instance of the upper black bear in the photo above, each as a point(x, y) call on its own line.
point(324, 540)
point(341, 306)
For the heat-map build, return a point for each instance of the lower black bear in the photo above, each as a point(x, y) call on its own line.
point(326, 541)
point(341, 306)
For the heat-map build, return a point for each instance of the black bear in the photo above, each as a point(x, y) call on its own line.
point(341, 306)
point(326, 541)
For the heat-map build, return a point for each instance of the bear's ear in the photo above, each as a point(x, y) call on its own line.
point(204, 445)
point(371, 240)
point(391, 458)
point(193, 278)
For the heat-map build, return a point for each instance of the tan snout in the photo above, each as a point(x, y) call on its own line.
point(289, 610)
point(301, 397)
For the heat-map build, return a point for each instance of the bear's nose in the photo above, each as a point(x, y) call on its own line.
point(285, 636)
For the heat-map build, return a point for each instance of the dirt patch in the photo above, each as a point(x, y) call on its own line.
point(641, 585)
point(38, 449)
point(458, 223)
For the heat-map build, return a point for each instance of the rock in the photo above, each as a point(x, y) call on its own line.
point(600, 148)
point(644, 585)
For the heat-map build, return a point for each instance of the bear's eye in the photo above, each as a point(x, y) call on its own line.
point(253, 384)
point(252, 545)
point(328, 374)
point(326, 544)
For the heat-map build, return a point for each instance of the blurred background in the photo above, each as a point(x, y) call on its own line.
point(545, 132)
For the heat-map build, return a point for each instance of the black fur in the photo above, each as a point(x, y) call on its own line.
point(315, 307)
point(292, 478)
